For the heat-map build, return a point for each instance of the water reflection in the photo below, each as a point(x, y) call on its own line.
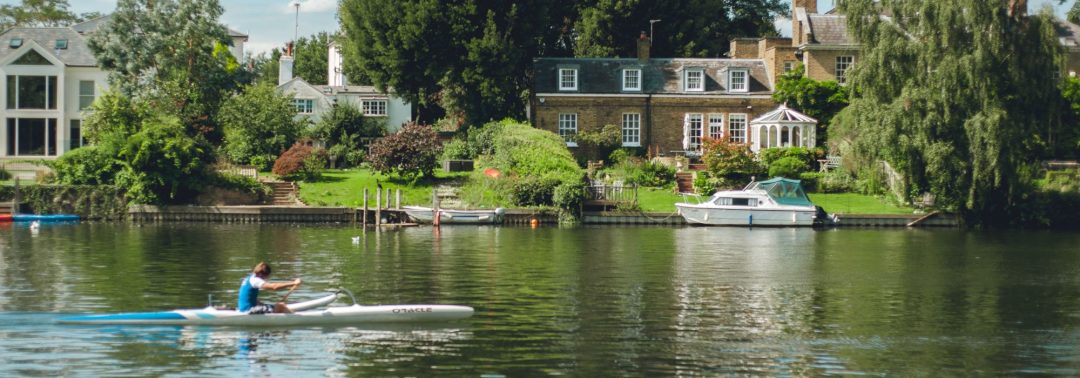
point(585, 301)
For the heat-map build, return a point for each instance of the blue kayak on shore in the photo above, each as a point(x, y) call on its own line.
point(44, 217)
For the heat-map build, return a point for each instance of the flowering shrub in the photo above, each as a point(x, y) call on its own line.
point(410, 153)
point(300, 162)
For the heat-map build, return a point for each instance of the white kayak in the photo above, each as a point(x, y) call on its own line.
point(303, 315)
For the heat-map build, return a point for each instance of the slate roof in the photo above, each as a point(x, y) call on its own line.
point(783, 114)
point(349, 89)
point(76, 54)
point(829, 29)
point(659, 76)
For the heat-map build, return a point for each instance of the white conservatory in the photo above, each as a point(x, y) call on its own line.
point(783, 127)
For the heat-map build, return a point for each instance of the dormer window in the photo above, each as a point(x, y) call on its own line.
point(568, 79)
point(61, 44)
point(694, 80)
point(738, 80)
point(631, 80)
point(15, 43)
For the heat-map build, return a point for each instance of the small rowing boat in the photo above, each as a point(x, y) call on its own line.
point(303, 315)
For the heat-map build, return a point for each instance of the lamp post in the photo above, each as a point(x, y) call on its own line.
point(651, 22)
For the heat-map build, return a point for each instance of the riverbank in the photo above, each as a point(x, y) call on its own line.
point(392, 216)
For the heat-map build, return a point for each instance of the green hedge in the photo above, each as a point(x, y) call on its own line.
point(88, 201)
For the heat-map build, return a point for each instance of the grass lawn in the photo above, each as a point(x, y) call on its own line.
point(345, 187)
point(854, 203)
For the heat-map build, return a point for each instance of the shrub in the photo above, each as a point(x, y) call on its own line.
point(456, 149)
point(810, 180)
point(729, 161)
point(162, 163)
point(4, 174)
point(89, 165)
point(410, 153)
point(835, 181)
point(481, 141)
point(258, 125)
point(598, 144)
point(771, 155)
point(787, 167)
point(300, 162)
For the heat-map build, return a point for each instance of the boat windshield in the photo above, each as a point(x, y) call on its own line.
point(783, 191)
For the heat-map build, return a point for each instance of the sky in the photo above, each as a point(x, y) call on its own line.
point(272, 23)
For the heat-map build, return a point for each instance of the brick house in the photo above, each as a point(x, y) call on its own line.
point(663, 104)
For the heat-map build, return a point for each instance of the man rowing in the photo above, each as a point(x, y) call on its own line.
point(249, 291)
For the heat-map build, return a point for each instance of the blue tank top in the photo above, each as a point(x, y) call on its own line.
point(249, 295)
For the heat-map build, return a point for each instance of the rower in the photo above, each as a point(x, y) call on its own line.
point(248, 300)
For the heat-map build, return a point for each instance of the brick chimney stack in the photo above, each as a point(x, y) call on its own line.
point(643, 45)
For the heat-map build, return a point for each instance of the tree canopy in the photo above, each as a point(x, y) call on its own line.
point(952, 94)
point(818, 99)
point(312, 58)
point(169, 50)
point(36, 13)
point(471, 60)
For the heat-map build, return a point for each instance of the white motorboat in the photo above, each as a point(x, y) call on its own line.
point(774, 202)
point(426, 215)
point(303, 315)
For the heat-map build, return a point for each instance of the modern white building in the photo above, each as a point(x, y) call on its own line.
point(50, 77)
point(312, 101)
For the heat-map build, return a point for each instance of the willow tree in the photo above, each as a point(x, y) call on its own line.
point(957, 96)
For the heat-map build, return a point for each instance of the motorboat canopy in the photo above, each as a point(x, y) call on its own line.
point(782, 190)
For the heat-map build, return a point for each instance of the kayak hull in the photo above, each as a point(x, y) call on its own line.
point(44, 218)
point(355, 314)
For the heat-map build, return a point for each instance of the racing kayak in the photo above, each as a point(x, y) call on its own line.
point(355, 314)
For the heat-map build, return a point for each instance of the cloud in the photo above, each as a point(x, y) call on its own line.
point(312, 6)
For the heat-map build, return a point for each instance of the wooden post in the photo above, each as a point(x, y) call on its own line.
point(397, 197)
point(365, 207)
point(388, 198)
point(378, 209)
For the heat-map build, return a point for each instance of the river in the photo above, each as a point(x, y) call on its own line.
point(580, 301)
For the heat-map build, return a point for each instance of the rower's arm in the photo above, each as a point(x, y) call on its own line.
point(281, 285)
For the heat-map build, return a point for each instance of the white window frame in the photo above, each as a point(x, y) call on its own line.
point(568, 128)
point(697, 129)
point(568, 79)
point(694, 84)
point(843, 64)
point(737, 127)
point(631, 129)
point(740, 86)
point(86, 98)
point(789, 65)
point(50, 146)
point(304, 105)
point(716, 126)
point(52, 89)
point(636, 78)
point(374, 107)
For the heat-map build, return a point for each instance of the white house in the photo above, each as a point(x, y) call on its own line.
point(50, 76)
point(312, 101)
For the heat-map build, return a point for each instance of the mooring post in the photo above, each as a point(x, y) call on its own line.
point(378, 209)
point(388, 198)
point(365, 207)
point(397, 198)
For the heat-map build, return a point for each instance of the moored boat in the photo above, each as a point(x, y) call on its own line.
point(426, 215)
point(775, 202)
point(44, 217)
point(303, 315)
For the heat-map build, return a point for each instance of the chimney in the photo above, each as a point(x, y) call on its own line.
point(643, 45)
point(285, 65)
point(810, 5)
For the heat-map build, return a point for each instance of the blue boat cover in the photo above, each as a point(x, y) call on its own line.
point(44, 217)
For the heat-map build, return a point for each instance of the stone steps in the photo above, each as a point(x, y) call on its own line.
point(283, 193)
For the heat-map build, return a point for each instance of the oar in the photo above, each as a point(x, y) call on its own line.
point(281, 306)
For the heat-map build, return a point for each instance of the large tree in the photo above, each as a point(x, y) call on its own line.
point(469, 58)
point(472, 58)
point(818, 99)
point(312, 58)
point(685, 28)
point(170, 51)
point(957, 96)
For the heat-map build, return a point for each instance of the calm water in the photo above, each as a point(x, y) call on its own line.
point(588, 301)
